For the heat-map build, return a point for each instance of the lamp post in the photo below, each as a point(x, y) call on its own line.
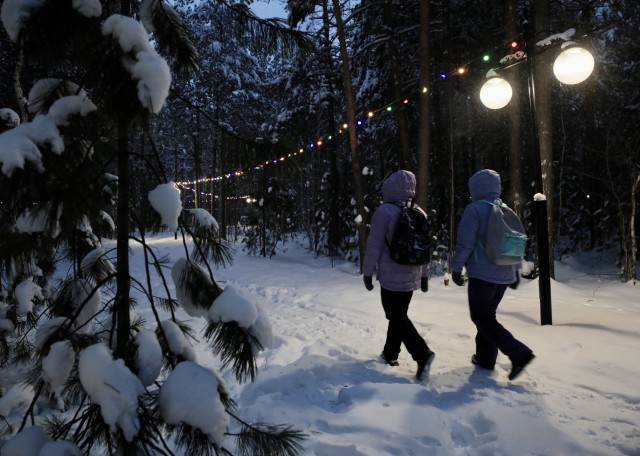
point(572, 66)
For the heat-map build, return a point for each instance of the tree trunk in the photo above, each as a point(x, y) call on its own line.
point(424, 128)
point(123, 280)
point(516, 188)
point(448, 107)
point(353, 139)
point(334, 178)
point(196, 162)
point(633, 267)
point(404, 159)
point(122, 304)
point(224, 190)
point(212, 171)
point(543, 77)
point(17, 85)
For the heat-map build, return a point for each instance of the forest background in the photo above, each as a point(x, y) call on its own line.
point(282, 131)
point(256, 135)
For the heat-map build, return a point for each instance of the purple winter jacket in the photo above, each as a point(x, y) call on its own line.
point(484, 184)
point(399, 186)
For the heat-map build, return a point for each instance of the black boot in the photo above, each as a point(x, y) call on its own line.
point(424, 365)
point(518, 367)
point(390, 362)
point(476, 362)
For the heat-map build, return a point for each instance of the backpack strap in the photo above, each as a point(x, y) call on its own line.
point(491, 202)
point(401, 205)
point(494, 202)
point(408, 203)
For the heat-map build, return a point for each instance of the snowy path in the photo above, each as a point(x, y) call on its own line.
point(578, 397)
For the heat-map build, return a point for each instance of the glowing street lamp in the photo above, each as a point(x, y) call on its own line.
point(496, 92)
point(572, 66)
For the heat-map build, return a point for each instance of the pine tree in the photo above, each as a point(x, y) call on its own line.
point(95, 81)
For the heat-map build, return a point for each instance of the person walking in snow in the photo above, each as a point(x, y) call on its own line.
point(487, 281)
point(397, 281)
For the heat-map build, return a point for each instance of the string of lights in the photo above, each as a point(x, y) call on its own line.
point(514, 56)
point(311, 146)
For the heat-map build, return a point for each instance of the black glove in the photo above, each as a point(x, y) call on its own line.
point(424, 284)
point(457, 278)
point(368, 282)
point(515, 284)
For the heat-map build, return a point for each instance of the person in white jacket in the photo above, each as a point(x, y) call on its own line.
point(397, 281)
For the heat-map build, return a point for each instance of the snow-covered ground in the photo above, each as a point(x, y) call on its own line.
point(579, 396)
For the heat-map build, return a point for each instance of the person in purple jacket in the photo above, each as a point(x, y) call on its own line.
point(487, 281)
point(397, 281)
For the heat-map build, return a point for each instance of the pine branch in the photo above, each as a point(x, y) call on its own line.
point(151, 438)
point(158, 263)
point(170, 359)
point(171, 35)
point(31, 407)
point(235, 346)
point(22, 352)
point(167, 305)
point(18, 249)
point(5, 350)
point(262, 439)
point(211, 246)
point(199, 287)
point(190, 440)
point(57, 426)
point(91, 430)
point(100, 269)
point(6, 430)
point(116, 87)
point(54, 29)
point(268, 35)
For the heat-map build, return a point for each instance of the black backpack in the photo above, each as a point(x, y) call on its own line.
point(411, 243)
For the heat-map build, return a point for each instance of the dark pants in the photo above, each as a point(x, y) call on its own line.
point(401, 329)
point(484, 298)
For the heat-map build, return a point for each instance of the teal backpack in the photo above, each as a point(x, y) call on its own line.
point(506, 241)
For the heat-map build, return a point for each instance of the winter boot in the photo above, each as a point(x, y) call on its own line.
point(476, 362)
point(390, 362)
point(517, 368)
point(424, 365)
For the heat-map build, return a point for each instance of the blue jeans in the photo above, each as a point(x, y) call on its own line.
point(401, 329)
point(484, 298)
